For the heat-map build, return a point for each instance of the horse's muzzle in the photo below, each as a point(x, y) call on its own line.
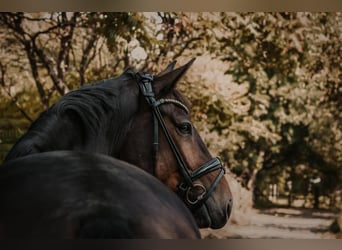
point(186, 189)
point(229, 207)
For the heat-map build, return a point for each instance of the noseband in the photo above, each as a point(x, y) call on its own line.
point(187, 185)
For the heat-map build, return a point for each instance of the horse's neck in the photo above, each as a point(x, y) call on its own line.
point(52, 133)
point(64, 127)
point(48, 133)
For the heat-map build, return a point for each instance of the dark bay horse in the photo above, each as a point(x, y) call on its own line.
point(69, 194)
point(143, 120)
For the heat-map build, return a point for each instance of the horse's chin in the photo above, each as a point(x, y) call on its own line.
point(207, 219)
point(202, 217)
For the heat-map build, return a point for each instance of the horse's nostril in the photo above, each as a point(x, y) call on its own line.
point(229, 207)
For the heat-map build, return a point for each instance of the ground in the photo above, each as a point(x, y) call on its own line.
point(278, 223)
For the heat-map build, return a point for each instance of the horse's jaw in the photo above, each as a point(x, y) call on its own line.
point(208, 216)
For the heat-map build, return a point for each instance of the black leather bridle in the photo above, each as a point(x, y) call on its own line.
point(187, 185)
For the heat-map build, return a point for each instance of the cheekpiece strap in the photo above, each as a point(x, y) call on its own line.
point(146, 86)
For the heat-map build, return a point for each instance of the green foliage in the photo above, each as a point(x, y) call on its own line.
point(291, 65)
point(12, 126)
point(120, 28)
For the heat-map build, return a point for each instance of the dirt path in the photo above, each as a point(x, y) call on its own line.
point(278, 223)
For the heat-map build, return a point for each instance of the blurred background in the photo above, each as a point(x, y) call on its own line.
point(265, 88)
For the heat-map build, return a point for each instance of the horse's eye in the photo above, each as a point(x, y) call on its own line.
point(185, 128)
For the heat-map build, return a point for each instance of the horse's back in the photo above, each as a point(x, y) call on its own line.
point(70, 195)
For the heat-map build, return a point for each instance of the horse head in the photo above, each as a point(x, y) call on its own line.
point(162, 128)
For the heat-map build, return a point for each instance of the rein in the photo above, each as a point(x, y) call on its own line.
point(184, 188)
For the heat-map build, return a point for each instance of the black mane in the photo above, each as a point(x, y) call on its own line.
point(90, 103)
point(88, 111)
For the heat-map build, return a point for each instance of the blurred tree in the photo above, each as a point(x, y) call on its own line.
point(45, 45)
point(291, 64)
point(61, 51)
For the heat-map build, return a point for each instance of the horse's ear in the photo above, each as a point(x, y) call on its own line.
point(167, 81)
point(168, 68)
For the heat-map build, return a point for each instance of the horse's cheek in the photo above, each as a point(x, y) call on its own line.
point(173, 181)
point(168, 177)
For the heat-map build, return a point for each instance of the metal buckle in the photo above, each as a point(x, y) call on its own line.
point(199, 197)
point(182, 188)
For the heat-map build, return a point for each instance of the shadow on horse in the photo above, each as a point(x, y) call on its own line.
point(85, 167)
